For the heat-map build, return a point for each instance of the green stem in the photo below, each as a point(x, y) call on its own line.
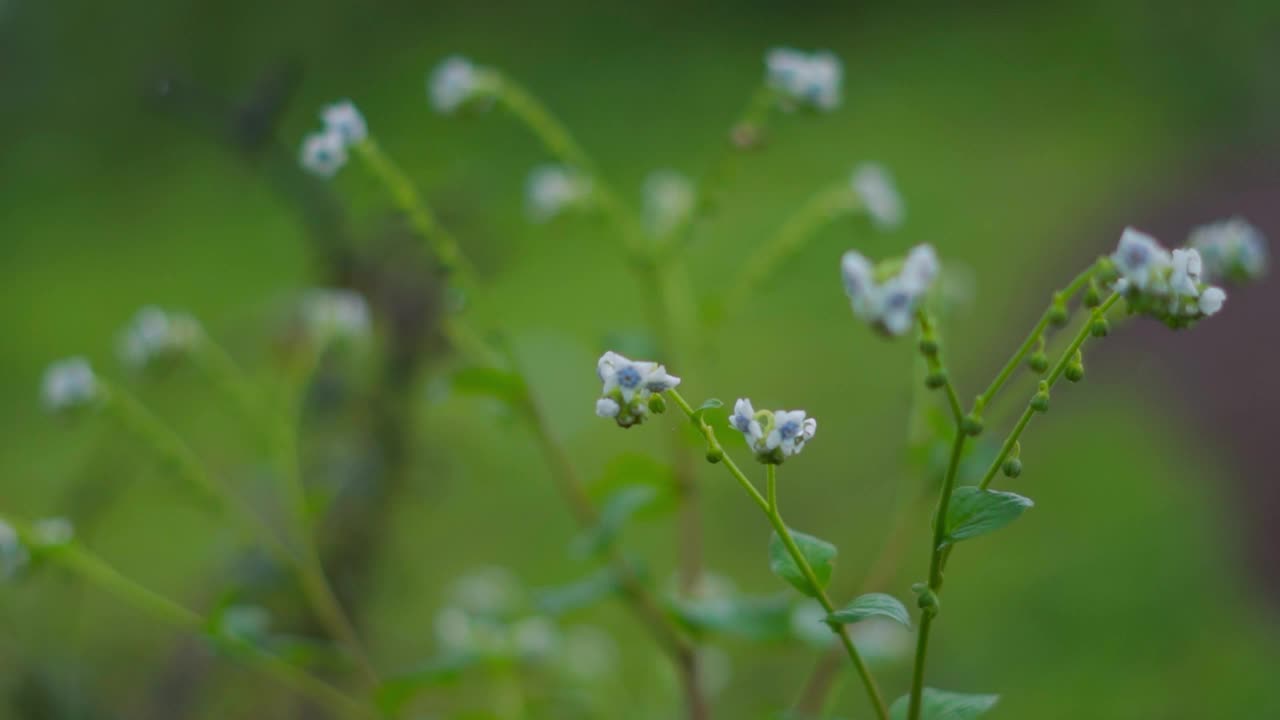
point(149, 602)
point(769, 506)
point(1037, 332)
point(820, 209)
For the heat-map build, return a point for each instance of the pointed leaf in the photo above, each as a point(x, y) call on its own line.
point(973, 512)
point(943, 705)
point(819, 554)
point(710, 404)
point(756, 618)
point(583, 593)
point(617, 510)
point(870, 605)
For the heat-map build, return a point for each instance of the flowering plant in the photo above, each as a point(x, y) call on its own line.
point(493, 627)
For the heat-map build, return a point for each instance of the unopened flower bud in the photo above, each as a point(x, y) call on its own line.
point(1058, 313)
point(972, 425)
point(926, 599)
point(715, 455)
point(1012, 467)
point(1100, 327)
point(1092, 295)
point(1040, 402)
point(657, 404)
point(928, 346)
point(1038, 361)
point(935, 379)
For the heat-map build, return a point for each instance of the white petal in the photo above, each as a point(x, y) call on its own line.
point(857, 274)
point(607, 408)
point(1211, 300)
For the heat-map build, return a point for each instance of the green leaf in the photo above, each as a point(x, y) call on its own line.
point(395, 692)
point(617, 510)
point(489, 382)
point(755, 618)
point(870, 605)
point(973, 512)
point(818, 553)
point(707, 405)
point(943, 705)
point(584, 593)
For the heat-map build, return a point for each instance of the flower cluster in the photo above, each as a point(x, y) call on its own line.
point(1165, 285)
point(457, 82)
point(334, 315)
point(552, 189)
point(324, 151)
point(874, 188)
point(1232, 251)
point(775, 435)
point(806, 79)
point(668, 199)
point(69, 385)
point(887, 295)
point(157, 336)
point(630, 388)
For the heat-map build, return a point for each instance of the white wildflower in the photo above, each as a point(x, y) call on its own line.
point(344, 119)
point(535, 638)
point(874, 187)
point(1233, 250)
point(453, 83)
point(812, 79)
point(889, 303)
point(1141, 260)
point(1165, 285)
point(324, 152)
point(13, 554)
point(629, 384)
point(772, 436)
point(553, 189)
point(668, 199)
point(1211, 300)
point(157, 335)
point(335, 315)
point(69, 384)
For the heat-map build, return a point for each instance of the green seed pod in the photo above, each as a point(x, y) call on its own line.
point(928, 346)
point(1092, 295)
point(1058, 313)
point(1100, 327)
point(926, 599)
point(657, 404)
point(715, 455)
point(972, 425)
point(1040, 403)
point(1012, 467)
point(935, 379)
point(1038, 361)
point(1074, 372)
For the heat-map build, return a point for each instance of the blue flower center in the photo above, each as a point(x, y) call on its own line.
point(789, 429)
point(629, 378)
point(1135, 256)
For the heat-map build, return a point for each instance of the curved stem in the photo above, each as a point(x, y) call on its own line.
point(106, 577)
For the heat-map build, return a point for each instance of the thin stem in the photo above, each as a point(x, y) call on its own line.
point(444, 246)
point(106, 577)
point(1054, 375)
point(1020, 354)
point(769, 506)
point(822, 208)
point(789, 541)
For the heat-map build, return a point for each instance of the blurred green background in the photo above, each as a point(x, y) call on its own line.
point(1024, 136)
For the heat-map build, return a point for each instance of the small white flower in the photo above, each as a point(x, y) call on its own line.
point(806, 78)
point(535, 637)
point(895, 306)
point(155, 334)
point(627, 386)
point(791, 430)
point(668, 199)
point(873, 185)
point(324, 152)
point(920, 269)
point(1232, 250)
point(69, 384)
point(607, 408)
point(890, 305)
point(744, 421)
point(553, 189)
point(859, 281)
point(344, 119)
point(452, 84)
point(1141, 260)
point(1184, 278)
point(772, 436)
point(1211, 300)
point(335, 315)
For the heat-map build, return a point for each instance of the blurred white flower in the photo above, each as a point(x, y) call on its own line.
point(1184, 276)
point(1141, 260)
point(335, 315)
point(535, 637)
point(324, 152)
point(1211, 300)
point(344, 119)
point(874, 186)
point(155, 335)
point(889, 303)
point(69, 384)
point(453, 83)
point(13, 554)
point(607, 408)
point(772, 435)
point(490, 591)
point(668, 199)
point(52, 532)
point(1233, 250)
point(552, 189)
point(1165, 285)
point(802, 78)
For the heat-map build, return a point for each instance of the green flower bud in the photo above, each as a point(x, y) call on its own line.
point(715, 455)
point(1038, 361)
point(657, 404)
point(1040, 403)
point(928, 346)
point(926, 599)
point(1092, 295)
point(1012, 467)
point(972, 425)
point(935, 379)
point(1074, 372)
point(1100, 327)
point(1058, 313)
